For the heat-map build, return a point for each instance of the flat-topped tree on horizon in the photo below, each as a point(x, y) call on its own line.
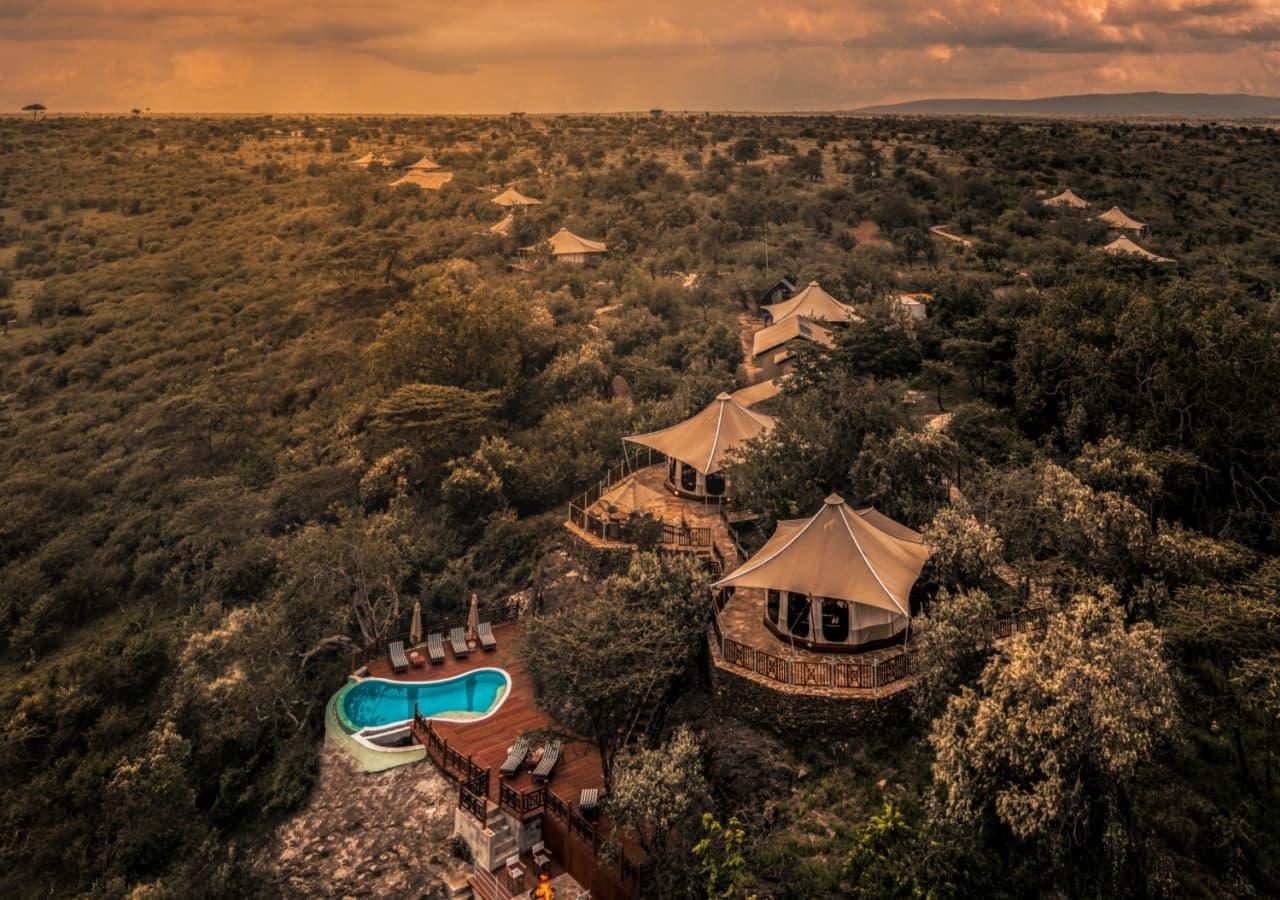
point(35, 109)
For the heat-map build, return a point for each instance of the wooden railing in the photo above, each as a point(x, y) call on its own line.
point(462, 769)
point(626, 531)
point(854, 673)
point(859, 674)
point(521, 802)
point(1009, 624)
point(472, 802)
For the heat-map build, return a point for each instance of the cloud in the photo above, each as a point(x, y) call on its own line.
point(497, 55)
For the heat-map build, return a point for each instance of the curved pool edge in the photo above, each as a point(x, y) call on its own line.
point(367, 757)
point(456, 716)
point(370, 757)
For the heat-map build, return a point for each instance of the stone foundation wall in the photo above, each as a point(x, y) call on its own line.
point(792, 713)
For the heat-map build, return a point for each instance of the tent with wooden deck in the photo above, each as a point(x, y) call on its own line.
point(1122, 246)
point(1069, 199)
point(698, 447)
point(567, 247)
point(428, 181)
point(511, 197)
point(839, 581)
point(814, 304)
point(1118, 220)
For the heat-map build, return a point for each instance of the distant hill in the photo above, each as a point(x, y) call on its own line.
point(1149, 103)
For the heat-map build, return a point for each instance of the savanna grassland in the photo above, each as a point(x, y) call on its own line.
point(254, 402)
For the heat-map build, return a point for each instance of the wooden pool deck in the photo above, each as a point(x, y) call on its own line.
point(487, 741)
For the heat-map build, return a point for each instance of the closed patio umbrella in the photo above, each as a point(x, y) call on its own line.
point(415, 626)
point(473, 617)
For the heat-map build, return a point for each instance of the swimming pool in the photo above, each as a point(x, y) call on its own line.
point(375, 702)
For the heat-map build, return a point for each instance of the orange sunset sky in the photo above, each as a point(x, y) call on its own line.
point(587, 55)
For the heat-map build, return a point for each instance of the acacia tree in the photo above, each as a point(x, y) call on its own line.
point(1049, 744)
point(594, 664)
point(657, 794)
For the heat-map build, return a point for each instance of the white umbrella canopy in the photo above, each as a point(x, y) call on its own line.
point(473, 617)
point(415, 626)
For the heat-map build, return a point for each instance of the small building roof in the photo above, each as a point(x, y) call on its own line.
point(704, 440)
point(838, 553)
point(780, 333)
point(565, 243)
point(426, 164)
point(428, 181)
point(786, 284)
point(1117, 218)
point(511, 197)
point(813, 303)
point(1123, 246)
point(1067, 198)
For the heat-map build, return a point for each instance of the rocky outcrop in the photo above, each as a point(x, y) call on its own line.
point(366, 835)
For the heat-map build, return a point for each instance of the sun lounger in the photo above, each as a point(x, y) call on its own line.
point(435, 647)
point(589, 802)
point(485, 632)
point(458, 640)
point(516, 758)
point(550, 756)
point(399, 662)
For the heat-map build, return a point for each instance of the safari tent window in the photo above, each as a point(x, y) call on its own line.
point(835, 620)
point(773, 604)
point(715, 483)
point(798, 614)
point(688, 478)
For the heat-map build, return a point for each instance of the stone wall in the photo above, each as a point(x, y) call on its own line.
point(793, 714)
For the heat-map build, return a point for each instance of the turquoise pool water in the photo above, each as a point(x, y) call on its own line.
point(375, 702)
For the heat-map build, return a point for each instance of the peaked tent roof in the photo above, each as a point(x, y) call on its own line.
point(891, 527)
point(428, 181)
point(813, 303)
point(370, 158)
point(502, 226)
point(1117, 218)
point(512, 197)
point(839, 554)
point(1126, 246)
point(780, 332)
point(704, 440)
point(758, 393)
point(630, 495)
point(426, 164)
point(1067, 198)
point(564, 242)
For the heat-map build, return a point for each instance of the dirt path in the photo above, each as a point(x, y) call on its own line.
point(941, 231)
